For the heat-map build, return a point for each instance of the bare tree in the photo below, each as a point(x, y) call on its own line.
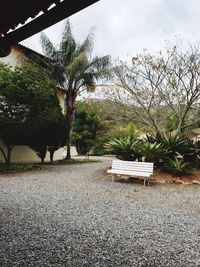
point(157, 88)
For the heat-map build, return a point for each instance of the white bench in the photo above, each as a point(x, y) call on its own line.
point(131, 169)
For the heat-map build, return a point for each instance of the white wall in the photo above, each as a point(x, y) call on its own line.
point(61, 99)
point(15, 58)
point(26, 154)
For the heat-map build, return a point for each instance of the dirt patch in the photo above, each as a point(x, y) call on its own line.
point(169, 178)
point(161, 177)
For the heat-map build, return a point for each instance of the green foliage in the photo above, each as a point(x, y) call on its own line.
point(14, 108)
point(176, 144)
point(171, 123)
point(99, 151)
point(40, 149)
point(151, 151)
point(179, 167)
point(123, 147)
point(29, 111)
point(85, 129)
point(100, 144)
point(110, 126)
point(129, 130)
point(47, 130)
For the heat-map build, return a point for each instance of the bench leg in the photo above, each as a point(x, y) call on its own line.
point(113, 178)
point(146, 181)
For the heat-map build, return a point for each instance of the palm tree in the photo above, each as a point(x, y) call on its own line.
point(73, 69)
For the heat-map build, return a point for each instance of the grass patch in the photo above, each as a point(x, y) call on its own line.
point(77, 161)
point(19, 167)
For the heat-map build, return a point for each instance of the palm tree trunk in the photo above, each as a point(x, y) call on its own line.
point(70, 103)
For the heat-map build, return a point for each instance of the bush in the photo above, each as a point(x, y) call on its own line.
point(100, 148)
point(177, 166)
point(151, 151)
point(123, 148)
point(174, 145)
point(86, 125)
point(99, 151)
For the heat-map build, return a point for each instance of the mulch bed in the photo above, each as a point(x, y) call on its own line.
point(165, 177)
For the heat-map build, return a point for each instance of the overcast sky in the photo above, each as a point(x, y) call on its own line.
point(126, 27)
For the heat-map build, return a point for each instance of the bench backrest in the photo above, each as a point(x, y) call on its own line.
point(133, 166)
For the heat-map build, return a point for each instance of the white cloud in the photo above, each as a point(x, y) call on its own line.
point(129, 26)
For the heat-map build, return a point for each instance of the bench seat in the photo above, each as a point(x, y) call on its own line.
point(131, 169)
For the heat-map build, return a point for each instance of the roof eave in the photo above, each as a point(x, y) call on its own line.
point(61, 11)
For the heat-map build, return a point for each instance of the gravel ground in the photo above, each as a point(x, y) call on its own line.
point(75, 216)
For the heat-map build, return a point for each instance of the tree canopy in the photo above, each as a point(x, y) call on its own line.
point(28, 103)
point(161, 90)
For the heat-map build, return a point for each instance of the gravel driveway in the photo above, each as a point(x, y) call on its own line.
point(75, 216)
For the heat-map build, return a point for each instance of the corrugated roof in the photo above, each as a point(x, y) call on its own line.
point(14, 12)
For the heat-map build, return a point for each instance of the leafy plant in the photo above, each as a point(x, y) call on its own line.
point(178, 167)
point(99, 151)
point(150, 151)
point(123, 147)
point(129, 129)
point(176, 144)
point(86, 126)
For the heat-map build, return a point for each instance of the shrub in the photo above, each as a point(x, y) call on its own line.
point(151, 151)
point(99, 151)
point(123, 148)
point(177, 166)
point(100, 145)
point(86, 125)
point(174, 145)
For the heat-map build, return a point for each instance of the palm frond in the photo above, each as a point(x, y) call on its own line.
point(71, 64)
point(102, 67)
point(78, 65)
point(87, 45)
point(48, 47)
point(68, 44)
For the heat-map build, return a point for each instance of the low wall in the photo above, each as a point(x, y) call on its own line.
point(26, 154)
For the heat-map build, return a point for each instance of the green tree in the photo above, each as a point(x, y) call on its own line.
point(86, 126)
point(27, 103)
point(47, 130)
point(14, 107)
point(74, 70)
